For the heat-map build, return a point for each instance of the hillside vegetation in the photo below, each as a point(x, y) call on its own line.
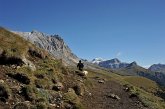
point(33, 79)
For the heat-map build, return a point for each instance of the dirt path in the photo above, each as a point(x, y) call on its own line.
point(99, 98)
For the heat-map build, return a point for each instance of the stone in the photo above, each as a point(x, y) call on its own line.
point(53, 105)
point(58, 86)
point(127, 89)
point(90, 94)
point(29, 64)
point(101, 81)
point(114, 96)
point(1, 81)
point(18, 67)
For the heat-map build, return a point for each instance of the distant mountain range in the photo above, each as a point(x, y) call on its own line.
point(112, 63)
point(156, 72)
point(117, 64)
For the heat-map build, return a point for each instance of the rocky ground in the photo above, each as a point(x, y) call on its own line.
point(92, 92)
point(111, 95)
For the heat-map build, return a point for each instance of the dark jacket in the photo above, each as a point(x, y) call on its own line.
point(80, 66)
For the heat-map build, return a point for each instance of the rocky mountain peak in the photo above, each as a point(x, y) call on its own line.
point(54, 44)
point(133, 63)
point(115, 60)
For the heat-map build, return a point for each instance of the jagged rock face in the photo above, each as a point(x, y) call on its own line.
point(54, 44)
point(158, 68)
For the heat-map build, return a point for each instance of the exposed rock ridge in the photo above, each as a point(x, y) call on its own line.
point(54, 44)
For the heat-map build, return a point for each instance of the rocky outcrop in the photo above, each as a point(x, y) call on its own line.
point(54, 44)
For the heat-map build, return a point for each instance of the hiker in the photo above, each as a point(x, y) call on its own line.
point(80, 66)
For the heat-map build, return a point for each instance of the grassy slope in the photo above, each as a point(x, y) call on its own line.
point(144, 88)
point(12, 43)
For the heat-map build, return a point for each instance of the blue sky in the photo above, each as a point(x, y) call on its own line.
point(131, 30)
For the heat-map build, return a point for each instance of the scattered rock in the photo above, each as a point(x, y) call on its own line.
point(52, 105)
point(101, 81)
point(56, 98)
point(114, 96)
point(127, 89)
point(18, 67)
point(80, 80)
point(90, 94)
point(1, 81)
point(29, 64)
point(14, 66)
point(58, 86)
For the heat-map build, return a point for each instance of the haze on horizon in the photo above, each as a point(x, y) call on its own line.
point(126, 29)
